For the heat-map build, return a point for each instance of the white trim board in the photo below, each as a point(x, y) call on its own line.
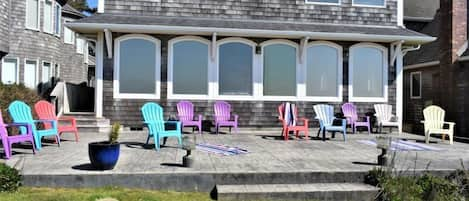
point(163, 29)
point(419, 73)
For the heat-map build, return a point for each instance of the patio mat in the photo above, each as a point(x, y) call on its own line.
point(403, 145)
point(221, 149)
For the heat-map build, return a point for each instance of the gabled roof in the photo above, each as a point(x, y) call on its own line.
point(253, 28)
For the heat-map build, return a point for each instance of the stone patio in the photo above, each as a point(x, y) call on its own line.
point(68, 165)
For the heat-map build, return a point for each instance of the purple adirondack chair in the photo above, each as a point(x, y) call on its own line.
point(350, 112)
point(223, 116)
point(7, 141)
point(186, 115)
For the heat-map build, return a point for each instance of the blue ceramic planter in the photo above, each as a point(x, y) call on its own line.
point(103, 156)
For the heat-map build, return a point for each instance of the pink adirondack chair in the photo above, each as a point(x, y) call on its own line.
point(223, 116)
point(46, 110)
point(186, 115)
point(350, 113)
point(8, 141)
point(295, 128)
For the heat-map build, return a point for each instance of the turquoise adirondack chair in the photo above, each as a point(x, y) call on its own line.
point(153, 118)
point(21, 113)
point(325, 115)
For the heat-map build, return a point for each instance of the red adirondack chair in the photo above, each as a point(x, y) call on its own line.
point(295, 128)
point(46, 110)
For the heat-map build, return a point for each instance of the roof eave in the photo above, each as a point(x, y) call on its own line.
point(164, 29)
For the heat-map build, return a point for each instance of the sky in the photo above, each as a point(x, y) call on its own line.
point(92, 3)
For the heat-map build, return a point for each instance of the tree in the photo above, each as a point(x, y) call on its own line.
point(82, 6)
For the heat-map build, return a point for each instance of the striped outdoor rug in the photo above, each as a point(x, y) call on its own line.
point(403, 145)
point(221, 149)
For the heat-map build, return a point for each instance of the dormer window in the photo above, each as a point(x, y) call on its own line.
point(371, 3)
point(322, 1)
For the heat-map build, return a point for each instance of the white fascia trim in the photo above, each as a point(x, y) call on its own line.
point(419, 73)
point(130, 28)
point(369, 6)
point(316, 2)
point(422, 65)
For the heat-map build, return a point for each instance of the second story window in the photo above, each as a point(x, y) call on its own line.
point(80, 46)
point(377, 3)
point(69, 36)
point(48, 17)
point(32, 14)
point(58, 19)
point(323, 1)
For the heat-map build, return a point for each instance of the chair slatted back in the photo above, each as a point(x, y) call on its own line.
point(45, 110)
point(20, 112)
point(325, 113)
point(185, 111)
point(434, 117)
point(153, 113)
point(350, 111)
point(222, 111)
point(383, 112)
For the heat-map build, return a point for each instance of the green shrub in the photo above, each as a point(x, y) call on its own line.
point(10, 93)
point(10, 179)
point(401, 188)
point(438, 189)
point(375, 175)
point(114, 134)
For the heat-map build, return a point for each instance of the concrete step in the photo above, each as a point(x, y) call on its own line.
point(316, 191)
point(94, 128)
point(91, 121)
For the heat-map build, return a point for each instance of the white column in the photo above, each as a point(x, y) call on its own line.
point(400, 13)
point(399, 85)
point(98, 105)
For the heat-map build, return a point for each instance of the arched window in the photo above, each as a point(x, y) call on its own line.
point(188, 66)
point(235, 67)
point(279, 68)
point(324, 71)
point(137, 67)
point(368, 73)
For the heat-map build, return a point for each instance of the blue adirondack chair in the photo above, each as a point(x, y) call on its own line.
point(325, 115)
point(21, 113)
point(153, 118)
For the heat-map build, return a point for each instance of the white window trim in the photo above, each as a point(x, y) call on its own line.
point(419, 73)
point(369, 6)
point(384, 50)
point(255, 85)
point(58, 23)
point(37, 71)
point(51, 16)
point(324, 3)
point(73, 35)
point(260, 88)
point(170, 88)
point(339, 97)
point(17, 81)
point(157, 42)
point(50, 70)
point(82, 41)
point(38, 17)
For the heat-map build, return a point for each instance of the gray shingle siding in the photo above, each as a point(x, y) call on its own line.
point(252, 113)
point(285, 10)
point(4, 26)
point(38, 45)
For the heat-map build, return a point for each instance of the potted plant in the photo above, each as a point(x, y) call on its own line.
point(104, 155)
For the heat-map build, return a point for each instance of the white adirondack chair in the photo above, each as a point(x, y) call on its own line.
point(385, 117)
point(434, 123)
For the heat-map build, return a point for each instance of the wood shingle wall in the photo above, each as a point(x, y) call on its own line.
point(4, 26)
point(290, 10)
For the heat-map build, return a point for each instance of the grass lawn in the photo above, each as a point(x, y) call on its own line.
point(89, 194)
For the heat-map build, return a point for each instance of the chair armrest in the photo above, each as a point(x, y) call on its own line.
point(53, 122)
point(450, 123)
point(71, 119)
point(200, 117)
point(235, 117)
point(178, 124)
point(28, 127)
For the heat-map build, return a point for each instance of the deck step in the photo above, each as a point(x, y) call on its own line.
point(317, 191)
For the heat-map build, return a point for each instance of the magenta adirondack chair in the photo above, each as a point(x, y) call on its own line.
point(350, 113)
point(186, 115)
point(8, 141)
point(223, 116)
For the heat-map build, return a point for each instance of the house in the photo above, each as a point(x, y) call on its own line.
point(438, 73)
point(39, 48)
point(254, 54)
